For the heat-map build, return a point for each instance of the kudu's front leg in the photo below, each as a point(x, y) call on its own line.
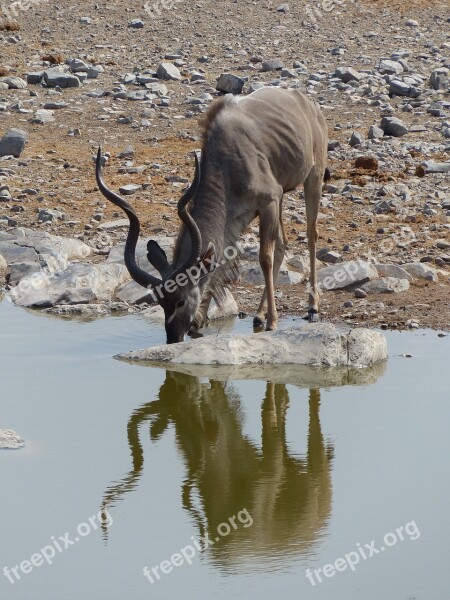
point(268, 232)
point(279, 252)
point(201, 316)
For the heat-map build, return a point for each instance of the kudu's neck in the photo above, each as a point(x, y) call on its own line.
point(209, 210)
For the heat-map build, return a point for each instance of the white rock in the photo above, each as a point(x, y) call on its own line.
point(79, 283)
point(10, 440)
point(228, 307)
point(317, 344)
point(341, 275)
point(387, 270)
point(167, 70)
point(166, 243)
point(386, 285)
point(391, 67)
point(252, 274)
point(300, 263)
point(420, 270)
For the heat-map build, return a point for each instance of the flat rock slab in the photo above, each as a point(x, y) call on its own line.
point(80, 283)
point(10, 440)
point(316, 344)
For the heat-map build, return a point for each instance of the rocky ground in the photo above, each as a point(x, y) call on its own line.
point(83, 74)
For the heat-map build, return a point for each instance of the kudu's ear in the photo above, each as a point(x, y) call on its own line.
point(208, 258)
point(157, 257)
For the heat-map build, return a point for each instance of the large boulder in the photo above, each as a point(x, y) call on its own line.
point(30, 252)
point(80, 283)
point(317, 344)
point(43, 242)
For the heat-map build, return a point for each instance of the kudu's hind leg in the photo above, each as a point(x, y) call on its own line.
point(313, 194)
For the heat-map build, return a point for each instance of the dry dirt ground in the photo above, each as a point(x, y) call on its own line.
point(60, 167)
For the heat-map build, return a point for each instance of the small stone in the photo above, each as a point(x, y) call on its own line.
point(420, 270)
point(399, 88)
point(272, 65)
point(127, 152)
point(394, 127)
point(130, 188)
point(347, 74)
point(356, 139)
point(35, 77)
point(13, 143)
point(136, 24)
point(168, 71)
point(328, 256)
point(386, 285)
point(14, 83)
point(359, 293)
point(230, 84)
point(375, 132)
point(57, 78)
point(439, 79)
point(284, 8)
point(55, 105)
point(47, 215)
point(442, 245)
point(289, 73)
point(43, 116)
point(10, 440)
point(390, 67)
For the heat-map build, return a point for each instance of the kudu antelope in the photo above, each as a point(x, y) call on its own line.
point(289, 496)
point(254, 149)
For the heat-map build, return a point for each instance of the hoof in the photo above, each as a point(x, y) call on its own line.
point(257, 322)
point(313, 316)
point(194, 333)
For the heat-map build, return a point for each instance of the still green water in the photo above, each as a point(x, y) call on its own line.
point(282, 470)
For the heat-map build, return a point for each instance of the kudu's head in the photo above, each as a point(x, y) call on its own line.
point(179, 289)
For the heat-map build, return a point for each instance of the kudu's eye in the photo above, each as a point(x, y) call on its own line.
point(180, 303)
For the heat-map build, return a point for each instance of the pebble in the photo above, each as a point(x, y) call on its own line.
point(13, 142)
point(168, 71)
point(130, 188)
point(230, 84)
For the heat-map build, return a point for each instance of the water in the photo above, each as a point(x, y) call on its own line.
point(296, 471)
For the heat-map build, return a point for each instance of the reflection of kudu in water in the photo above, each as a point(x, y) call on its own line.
point(289, 498)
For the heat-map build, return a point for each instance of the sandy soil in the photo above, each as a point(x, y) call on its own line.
point(60, 167)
